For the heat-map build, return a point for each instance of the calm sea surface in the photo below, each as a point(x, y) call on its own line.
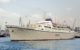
point(6, 44)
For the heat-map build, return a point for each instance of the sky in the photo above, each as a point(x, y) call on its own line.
point(61, 11)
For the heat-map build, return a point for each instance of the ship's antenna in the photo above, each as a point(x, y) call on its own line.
point(43, 12)
point(64, 22)
point(29, 22)
point(54, 19)
point(6, 23)
point(44, 15)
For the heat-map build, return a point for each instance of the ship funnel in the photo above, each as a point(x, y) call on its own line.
point(48, 19)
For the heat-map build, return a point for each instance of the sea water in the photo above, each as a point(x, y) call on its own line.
point(7, 44)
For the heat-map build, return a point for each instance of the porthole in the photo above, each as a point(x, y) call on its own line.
point(12, 30)
point(57, 34)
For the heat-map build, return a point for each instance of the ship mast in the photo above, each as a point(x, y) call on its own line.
point(20, 21)
point(74, 23)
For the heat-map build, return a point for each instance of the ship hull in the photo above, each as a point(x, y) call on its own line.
point(29, 34)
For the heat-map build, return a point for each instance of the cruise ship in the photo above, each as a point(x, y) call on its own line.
point(43, 30)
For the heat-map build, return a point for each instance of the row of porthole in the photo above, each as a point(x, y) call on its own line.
point(43, 29)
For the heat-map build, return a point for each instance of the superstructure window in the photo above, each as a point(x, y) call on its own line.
point(47, 27)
